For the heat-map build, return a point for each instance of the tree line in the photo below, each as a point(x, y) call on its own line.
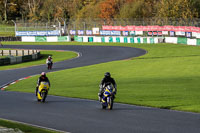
point(50, 10)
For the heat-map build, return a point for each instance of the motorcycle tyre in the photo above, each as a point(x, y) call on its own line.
point(43, 96)
point(110, 103)
point(103, 106)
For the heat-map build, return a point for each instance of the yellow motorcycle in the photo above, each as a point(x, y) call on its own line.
point(42, 91)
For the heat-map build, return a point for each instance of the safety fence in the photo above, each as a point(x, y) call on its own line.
point(18, 56)
point(83, 24)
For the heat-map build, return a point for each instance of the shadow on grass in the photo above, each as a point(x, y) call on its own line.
point(44, 56)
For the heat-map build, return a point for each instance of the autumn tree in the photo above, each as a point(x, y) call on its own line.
point(131, 9)
point(176, 9)
point(108, 10)
point(48, 10)
point(9, 9)
point(91, 10)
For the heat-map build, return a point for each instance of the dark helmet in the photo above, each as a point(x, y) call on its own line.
point(107, 74)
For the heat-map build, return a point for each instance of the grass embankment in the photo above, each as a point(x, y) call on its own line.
point(7, 30)
point(56, 55)
point(166, 77)
point(23, 127)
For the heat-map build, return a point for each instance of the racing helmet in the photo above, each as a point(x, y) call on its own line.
point(107, 74)
point(43, 74)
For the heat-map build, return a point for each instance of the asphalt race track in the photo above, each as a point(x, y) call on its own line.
point(86, 116)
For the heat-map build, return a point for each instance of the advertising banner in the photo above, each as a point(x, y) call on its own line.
point(72, 32)
point(155, 33)
point(172, 33)
point(182, 40)
point(198, 41)
point(180, 33)
point(132, 33)
point(38, 33)
point(125, 33)
point(165, 33)
point(153, 28)
point(105, 32)
point(189, 34)
point(41, 39)
point(53, 33)
point(95, 31)
point(139, 32)
point(110, 33)
point(198, 35)
point(88, 32)
point(116, 33)
point(80, 32)
point(63, 39)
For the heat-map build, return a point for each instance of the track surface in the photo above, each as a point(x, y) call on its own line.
point(86, 116)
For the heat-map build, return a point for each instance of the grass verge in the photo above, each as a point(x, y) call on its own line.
point(166, 77)
point(23, 127)
point(7, 34)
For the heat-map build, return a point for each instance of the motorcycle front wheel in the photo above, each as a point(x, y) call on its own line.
point(110, 103)
point(103, 106)
point(43, 95)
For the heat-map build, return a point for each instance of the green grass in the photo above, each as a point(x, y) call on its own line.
point(3, 57)
point(23, 127)
point(6, 34)
point(56, 55)
point(166, 77)
point(7, 30)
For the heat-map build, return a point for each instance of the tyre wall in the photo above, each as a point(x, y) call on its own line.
point(19, 59)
